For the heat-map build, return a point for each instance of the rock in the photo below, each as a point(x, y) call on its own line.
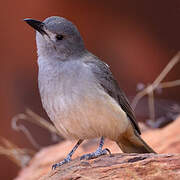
point(43, 160)
point(120, 166)
point(165, 140)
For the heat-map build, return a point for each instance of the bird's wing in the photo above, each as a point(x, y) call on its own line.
point(105, 77)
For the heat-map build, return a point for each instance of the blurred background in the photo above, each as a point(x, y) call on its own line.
point(136, 38)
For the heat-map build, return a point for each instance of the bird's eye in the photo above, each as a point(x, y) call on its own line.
point(59, 37)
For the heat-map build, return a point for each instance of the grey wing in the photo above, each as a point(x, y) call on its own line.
point(104, 76)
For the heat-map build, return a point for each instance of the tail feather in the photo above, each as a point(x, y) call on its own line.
point(134, 144)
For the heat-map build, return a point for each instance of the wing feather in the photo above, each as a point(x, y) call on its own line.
point(105, 77)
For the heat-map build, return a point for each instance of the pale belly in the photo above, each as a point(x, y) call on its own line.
point(77, 104)
point(87, 117)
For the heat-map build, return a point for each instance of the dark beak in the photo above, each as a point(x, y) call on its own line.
point(37, 25)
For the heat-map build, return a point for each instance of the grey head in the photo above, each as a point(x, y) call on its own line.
point(57, 37)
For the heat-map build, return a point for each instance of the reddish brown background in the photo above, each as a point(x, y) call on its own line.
point(136, 38)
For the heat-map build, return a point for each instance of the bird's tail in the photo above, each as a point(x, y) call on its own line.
point(134, 144)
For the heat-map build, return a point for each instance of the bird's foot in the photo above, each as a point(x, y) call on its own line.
point(97, 153)
point(66, 160)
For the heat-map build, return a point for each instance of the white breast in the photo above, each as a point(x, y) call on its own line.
point(75, 102)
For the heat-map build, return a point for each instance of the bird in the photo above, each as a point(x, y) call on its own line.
point(79, 92)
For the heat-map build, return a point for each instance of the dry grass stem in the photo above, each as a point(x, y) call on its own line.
point(35, 119)
point(169, 84)
point(149, 90)
point(19, 156)
point(41, 121)
point(151, 105)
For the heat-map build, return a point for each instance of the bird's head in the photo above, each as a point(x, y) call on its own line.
point(57, 37)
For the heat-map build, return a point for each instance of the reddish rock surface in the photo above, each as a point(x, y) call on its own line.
point(165, 140)
point(121, 166)
point(163, 166)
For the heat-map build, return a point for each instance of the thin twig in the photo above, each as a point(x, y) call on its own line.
point(169, 84)
point(157, 81)
point(36, 119)
point(19, 156)
point(41, 121)
point(151, 105)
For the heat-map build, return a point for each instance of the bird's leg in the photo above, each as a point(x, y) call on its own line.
point(68, 158)
point(98, 152)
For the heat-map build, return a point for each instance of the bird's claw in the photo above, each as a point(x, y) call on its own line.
point(66, 160)
point(95, 154)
